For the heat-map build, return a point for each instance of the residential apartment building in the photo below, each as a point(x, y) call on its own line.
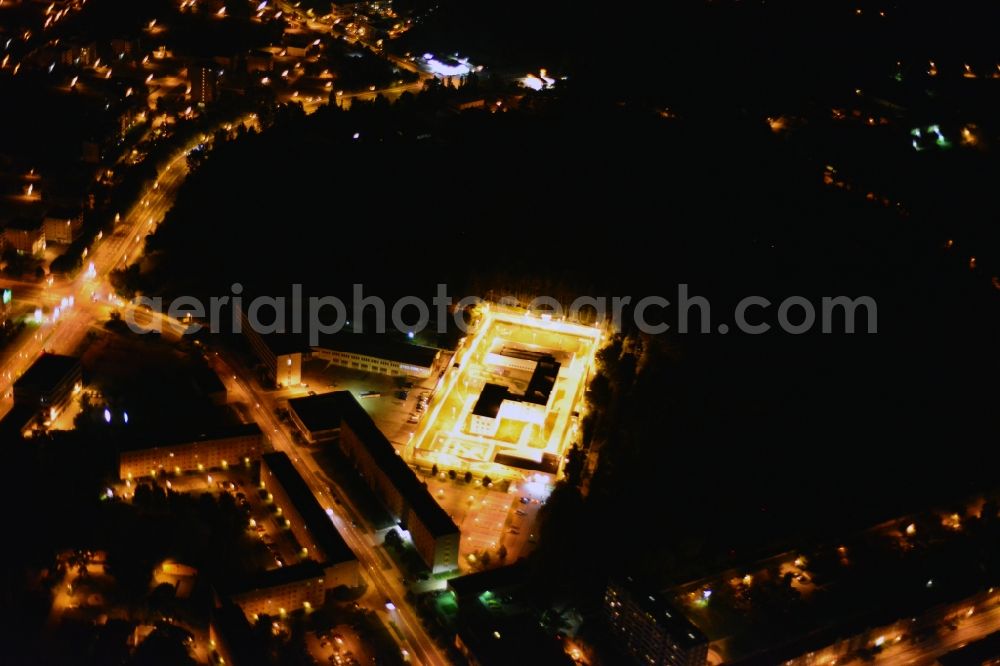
point(435, 535)
point(649, 629)
point(217, 448)
point(312, 526)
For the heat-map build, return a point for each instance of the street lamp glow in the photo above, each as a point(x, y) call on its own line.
point(107, 415)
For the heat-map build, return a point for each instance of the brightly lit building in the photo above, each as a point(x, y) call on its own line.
point(218, 448)
point(510, 404)
point(309, 522)
point(649, 629)
point(376, 354)
point(498, 402)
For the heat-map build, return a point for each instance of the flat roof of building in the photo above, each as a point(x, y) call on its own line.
point(549, 463)
point(281, 344)
point(671, 620)
point(429, 512)
point(524, 354)
point(317, 412)
point(316, 519)
point(204, 435)
point(379, 347)
point(264, 580)
point(543, 379)
point(490, 400)
point(63, 212)
point(47, 372)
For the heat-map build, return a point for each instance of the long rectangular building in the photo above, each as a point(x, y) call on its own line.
point(376, 354)
point(312, 526)
point(218, 448)
point(434, 533)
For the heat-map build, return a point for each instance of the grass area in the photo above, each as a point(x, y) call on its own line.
point(340, 469)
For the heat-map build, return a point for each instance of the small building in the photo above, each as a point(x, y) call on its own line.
point(25, 236)
point(48, 384)
point(649, 629)
point(62, 225)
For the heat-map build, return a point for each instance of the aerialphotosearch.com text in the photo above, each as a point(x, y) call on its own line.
point(316, 316)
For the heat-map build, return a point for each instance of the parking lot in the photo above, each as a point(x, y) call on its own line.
point(381, 395)
point(341, 646)
point(263, 520)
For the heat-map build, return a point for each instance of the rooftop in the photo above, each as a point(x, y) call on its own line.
point(316, 519)
point(281, 576)
point(542, 381)
point(205, 435)
point(317, 412)
point(380, 347)
point(47, 372)
point(435, 519)
point(490, 399)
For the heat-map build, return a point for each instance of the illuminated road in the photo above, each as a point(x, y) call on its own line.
point(65, 334)
point(385, 581)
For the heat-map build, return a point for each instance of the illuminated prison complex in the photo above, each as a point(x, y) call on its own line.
point(339, 415)
point(209, 449)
